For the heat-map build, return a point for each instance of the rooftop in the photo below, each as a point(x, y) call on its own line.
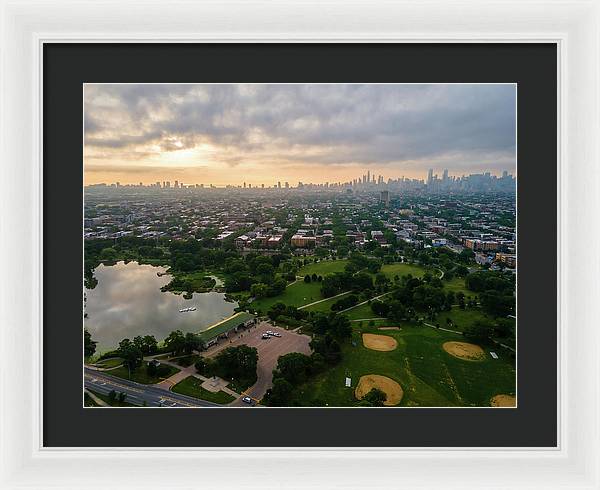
point(225, 325)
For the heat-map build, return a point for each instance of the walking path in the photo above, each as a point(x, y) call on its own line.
point(322, 300)
point(185, 372)
point(364, 302)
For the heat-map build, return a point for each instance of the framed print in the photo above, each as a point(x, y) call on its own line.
point(267, 238)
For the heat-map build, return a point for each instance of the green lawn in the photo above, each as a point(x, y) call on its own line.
point(110, 363)
point(140, 375)
point(360, 312)
point(325, 306)
point(428, 375)
point(324, 267)
point(457, 284)
point(191, 386)
point(298, 294)
point(401, 269)
point(460, 318)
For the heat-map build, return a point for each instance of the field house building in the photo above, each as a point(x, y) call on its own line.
point(222, 329)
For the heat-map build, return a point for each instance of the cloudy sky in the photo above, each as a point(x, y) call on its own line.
point(230, 134)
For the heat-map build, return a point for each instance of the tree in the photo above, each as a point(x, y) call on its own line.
point(149, 344)
point(112, 395)
point(460, 297)
point(131, 354)
point(292, 367)
point(307, 278)
point(479, 331)
point(379, 308)
point(201, 365)
point(236, 362)
point(279, 395)
point(191, 342)
point(375, 397)
point(89, 346)
point(175, 342)
point(122, 397)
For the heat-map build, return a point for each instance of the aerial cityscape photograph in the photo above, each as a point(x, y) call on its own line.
point(299, 245)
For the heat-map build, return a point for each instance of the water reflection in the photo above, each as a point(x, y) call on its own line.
point(128, 301)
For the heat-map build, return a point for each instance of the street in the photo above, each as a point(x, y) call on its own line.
point(137, 393)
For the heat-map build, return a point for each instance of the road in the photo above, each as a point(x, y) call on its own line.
point(137, 394)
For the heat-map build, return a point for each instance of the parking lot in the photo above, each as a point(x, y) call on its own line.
point(269, 350)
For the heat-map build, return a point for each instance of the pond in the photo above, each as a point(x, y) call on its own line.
point(127, 301)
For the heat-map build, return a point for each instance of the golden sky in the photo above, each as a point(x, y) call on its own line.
point(260, 134)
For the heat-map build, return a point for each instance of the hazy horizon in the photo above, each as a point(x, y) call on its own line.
point(227, 134)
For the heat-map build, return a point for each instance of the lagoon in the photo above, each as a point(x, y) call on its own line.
point(127, 301)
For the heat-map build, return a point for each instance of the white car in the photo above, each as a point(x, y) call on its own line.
point(266, 336)
point(276, 334)
point(247, 400)
point(269, 332)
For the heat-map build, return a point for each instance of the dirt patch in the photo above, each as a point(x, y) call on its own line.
point(503, 401)
point(389, 328)
point(383, 343)
point(392, 389)
point(465, 351)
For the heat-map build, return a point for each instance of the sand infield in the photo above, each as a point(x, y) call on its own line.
point(464, 350)
point(503, 401)
point(392, 389)
point(383, 343)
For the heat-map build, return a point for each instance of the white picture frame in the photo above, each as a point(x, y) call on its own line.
point(575, 27)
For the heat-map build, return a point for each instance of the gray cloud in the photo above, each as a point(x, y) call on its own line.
point(462, 126)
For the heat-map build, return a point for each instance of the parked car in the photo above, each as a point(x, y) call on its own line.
point(248, 400)
point(276, 334)
point(266, 336)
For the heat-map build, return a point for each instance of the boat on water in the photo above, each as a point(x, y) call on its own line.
point(185, 310)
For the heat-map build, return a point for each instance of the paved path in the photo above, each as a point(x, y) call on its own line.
point(323, 300)
point(364, 302)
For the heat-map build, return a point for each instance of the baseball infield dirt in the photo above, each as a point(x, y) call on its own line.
point(392, 389)
point(382, 343)
point(503, 401)
point(465, 351)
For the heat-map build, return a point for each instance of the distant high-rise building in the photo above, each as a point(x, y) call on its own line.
point(430, 176)
point(176, 184)
point(445, 176)
point(505, 174)
point(287, 185)
point(244, 185)
point(279, 185)
point(368, 176)
point(385, 197)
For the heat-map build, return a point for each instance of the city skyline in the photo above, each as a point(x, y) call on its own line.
point(364, 179)
point(260, 134)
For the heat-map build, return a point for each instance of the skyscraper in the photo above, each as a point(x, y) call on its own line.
point(430, 176)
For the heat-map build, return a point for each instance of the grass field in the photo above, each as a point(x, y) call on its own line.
point(110, 363)
point(323, 267)
point(191, 386)
point(325, 306)
point(461, 319)
point(457, 284)
point(140, 375)
point(298, 294)
point(401, 269)
point(428, 375)
point(360, 312)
